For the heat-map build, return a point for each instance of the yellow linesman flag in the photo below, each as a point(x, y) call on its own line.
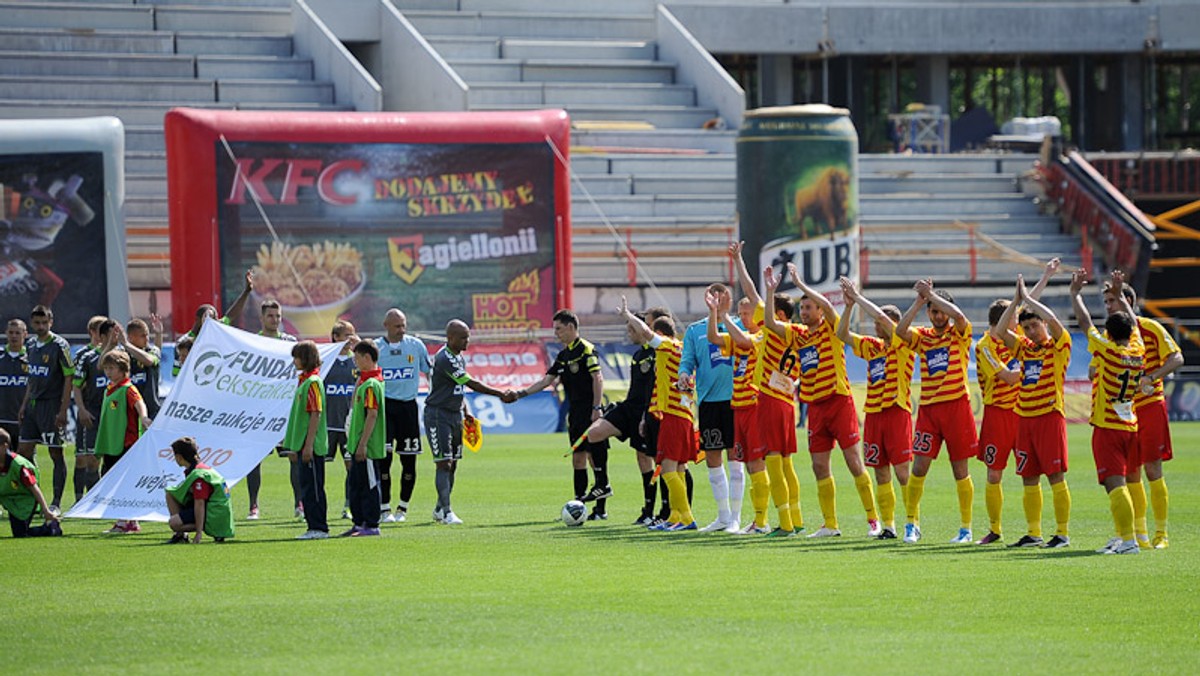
point(472, 434)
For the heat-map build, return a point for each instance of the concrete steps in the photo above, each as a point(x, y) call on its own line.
point(572, 94)
point(137, 60)
point(542, 25)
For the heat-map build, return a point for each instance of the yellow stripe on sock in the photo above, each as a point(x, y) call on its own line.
point(994, 496)
point(1159, 501)
point(1122, 511)
point(1033, 510)
point(866, 495)
point(1062, 507)
point(827, 496)
point(886, 495)
point(760, 497)
point(793, 484)
point(779, 490)
point(966, 500)
point(916, 488)
point(1137, 495)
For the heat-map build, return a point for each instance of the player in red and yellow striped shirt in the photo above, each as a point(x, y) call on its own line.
point(832, 418)
point(745, 347)
point(999, 382)
point(777, 371)
point(945, 409)
point(1118, 362)
point(671, 405)
point(1044, 352)
point(888, 430)
point(1154, 433)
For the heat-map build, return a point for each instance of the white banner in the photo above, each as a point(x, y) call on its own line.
point(233, 396)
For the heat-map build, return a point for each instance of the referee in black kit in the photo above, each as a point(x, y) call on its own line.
point(577, 367)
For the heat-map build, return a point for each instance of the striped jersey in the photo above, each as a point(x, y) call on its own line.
point(889, 372)
point(943, 362)
point(778, 364)
point(666, 398)
point(1043, 369)
point(1159, 346)
point(1117, 371)
point(822, 363)
point(991, 357)
point(745, 364)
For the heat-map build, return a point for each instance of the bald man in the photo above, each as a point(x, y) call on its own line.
point(445, 408)
point(402, 358)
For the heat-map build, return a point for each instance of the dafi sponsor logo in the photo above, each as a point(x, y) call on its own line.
point(339, 390)
point(245, 374)
point(404, 373)
point(13, 381)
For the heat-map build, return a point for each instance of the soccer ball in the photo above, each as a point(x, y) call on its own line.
point(574, 513)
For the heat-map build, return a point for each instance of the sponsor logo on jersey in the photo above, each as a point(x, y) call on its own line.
point(405, 373)
point(39, 371)
point(101, 381)
point(937, 360)
point(13, 381)
point(1033, 372)
point(876, 369)
point(1012, 365)
point(810, 358)
point(336, 390)
point(739, 369)
point(715, 358)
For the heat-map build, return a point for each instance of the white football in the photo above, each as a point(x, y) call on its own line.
point(574, 513)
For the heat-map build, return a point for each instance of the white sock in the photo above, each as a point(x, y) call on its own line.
point(737, 488)
point(720, 488)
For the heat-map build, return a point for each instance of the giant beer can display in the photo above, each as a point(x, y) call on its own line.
point(797, 194)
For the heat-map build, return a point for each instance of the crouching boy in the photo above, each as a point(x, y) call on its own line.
point(20, 494)
point(200, 503)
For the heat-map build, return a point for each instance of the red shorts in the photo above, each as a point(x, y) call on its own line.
point(949, 421)
point(997, 436)
point(1115, 452)
point(776, 425)
point(747, 440)
point(1154, 433)
point(1042, 445)
point(833, 419)
point(887, 437)
point(676, 440)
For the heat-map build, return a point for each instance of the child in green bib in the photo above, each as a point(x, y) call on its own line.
point(20, 494)
point(122, 418)
point(200, 503)
point(307, 438)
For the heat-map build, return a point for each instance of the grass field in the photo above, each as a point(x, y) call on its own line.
point(513, 589)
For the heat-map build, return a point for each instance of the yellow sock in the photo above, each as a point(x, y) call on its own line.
point(1062, 507)
point(994, 495)
point(912, 503)
point(1033, 510)
point(793, 483)
point(760, 497)
point(676, 493)
point(1122, 511)
point(1158, 500)
point(827, 495)
point(966, 499)
point(866, 493)
point(779, 490)
point(685, 508)
point(887, 504)
point(1137, 495)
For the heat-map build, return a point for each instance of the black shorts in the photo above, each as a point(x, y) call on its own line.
point(444, 428)
point(85, 437)
point(579, 419)
point(651, 439)
point(403, 427)
point(626, 416)
point(716, 425)
point(14, 432)
point(337, 445)
point(187, 515)
point(38, 425)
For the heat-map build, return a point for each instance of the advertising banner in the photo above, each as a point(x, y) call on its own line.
point(233, 396)
point(797, 182)
point(344, 215)
point(62, 235)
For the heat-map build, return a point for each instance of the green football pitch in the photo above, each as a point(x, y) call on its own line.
point(514, 589)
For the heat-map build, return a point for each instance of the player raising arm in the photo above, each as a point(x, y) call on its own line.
point(888, 432)
point(1117, 356)
point(1044, 352)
